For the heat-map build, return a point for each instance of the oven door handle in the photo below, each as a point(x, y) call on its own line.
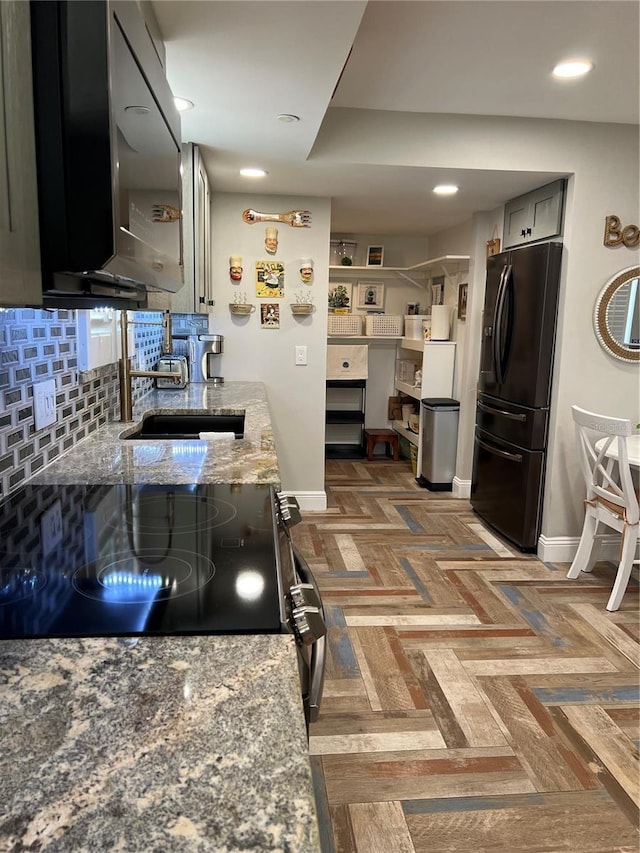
point(318, 652)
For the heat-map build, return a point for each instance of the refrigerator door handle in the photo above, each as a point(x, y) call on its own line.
point(491, 331)
point(498, 356)
point(512, 457)
point(511, 415)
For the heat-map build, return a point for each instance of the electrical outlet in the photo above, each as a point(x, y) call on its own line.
point(44, 403)
point(301, 355)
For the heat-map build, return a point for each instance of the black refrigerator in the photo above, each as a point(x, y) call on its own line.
point(514, 390)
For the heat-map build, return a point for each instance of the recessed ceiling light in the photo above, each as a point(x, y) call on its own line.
point(136, 110)
point(287, 117)
point(572, 68)
point(183, 104)
point(253, 173)
point(446, 189)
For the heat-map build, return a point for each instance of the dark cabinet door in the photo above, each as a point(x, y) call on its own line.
point(20, 281)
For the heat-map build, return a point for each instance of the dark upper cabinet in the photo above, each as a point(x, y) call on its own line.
point(20, 281)
point(108, 156)
point(534, 216)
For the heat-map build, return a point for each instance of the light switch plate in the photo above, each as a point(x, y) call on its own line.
point(44, 403)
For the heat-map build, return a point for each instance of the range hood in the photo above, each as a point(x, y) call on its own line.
point(108, 156)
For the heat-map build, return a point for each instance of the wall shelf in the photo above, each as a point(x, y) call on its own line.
point(445, 265)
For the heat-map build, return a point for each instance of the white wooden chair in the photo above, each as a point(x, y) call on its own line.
point(611, 498)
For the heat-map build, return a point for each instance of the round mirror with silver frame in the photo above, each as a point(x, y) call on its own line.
point(616, 316)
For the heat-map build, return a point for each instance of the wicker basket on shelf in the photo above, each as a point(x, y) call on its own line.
point(345, 325)
point(384, 324)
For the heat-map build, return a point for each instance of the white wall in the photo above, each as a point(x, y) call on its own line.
point(399, 250)
point(296, 394)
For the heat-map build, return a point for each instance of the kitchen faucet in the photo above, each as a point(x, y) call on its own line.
point(127, 373)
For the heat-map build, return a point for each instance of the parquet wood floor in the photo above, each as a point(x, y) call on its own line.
point(475, 699)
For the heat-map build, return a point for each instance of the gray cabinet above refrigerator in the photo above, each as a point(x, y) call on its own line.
point(534, 216)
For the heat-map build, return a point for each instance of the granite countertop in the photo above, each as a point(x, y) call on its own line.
point(104, 457)
point(154, 744)
point(158, 743)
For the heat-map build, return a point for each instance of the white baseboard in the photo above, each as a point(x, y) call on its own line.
point(562, 549)
point(310, 501)
point(461, 488)
point(559, 549)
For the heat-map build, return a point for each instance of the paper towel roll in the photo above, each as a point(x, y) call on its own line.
point(440, 319)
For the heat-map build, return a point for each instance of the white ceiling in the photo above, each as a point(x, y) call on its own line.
point(244, 62)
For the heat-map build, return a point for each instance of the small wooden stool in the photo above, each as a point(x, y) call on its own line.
point(390, 438)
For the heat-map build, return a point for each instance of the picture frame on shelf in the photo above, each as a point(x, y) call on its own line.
point(437, 294)
point(462, 301)
point(370, 295)
point(339, 300)
point(375, 256)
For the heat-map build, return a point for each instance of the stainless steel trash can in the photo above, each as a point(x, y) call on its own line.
point(438, 443)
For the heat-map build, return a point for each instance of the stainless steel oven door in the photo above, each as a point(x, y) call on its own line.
point(313, 653)
point(303, 611)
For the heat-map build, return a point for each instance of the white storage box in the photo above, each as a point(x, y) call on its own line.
point(346, 325)
point(383, 324)
point(347, 362)
point(413, 326)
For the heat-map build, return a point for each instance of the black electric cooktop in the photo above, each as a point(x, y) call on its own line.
point(120, 560)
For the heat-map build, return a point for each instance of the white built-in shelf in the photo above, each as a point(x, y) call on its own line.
point(412, 343)
point(409, 390)
point(418, 345)
point(363, 338)
point(401, 429)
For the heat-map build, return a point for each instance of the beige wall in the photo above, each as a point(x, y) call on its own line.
point(296, 394)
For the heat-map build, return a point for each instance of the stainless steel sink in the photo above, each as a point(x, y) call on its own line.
point(186, 426)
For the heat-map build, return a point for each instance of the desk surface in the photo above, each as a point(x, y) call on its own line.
point(633, 449)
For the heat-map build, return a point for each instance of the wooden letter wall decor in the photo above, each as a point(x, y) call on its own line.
point(614, 234)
